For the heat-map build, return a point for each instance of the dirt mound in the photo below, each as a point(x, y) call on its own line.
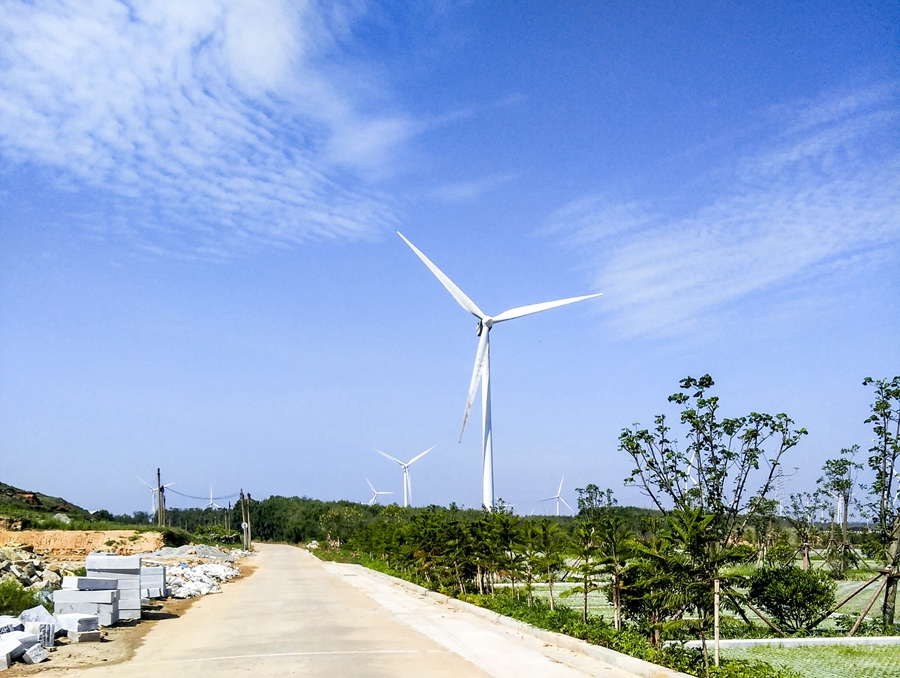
point(75, 544)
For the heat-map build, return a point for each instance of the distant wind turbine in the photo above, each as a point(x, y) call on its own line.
point(375, 493)
point(558, 498)
point(482, 371)
point(211, 504)
point(154, 497)
point(407, 487)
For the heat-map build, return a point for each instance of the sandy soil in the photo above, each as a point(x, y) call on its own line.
point(75, 545)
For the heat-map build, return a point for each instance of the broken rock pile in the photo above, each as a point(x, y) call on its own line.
point(188, 582)
point(28, 569)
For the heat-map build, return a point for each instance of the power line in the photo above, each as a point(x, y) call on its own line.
point(190, 496)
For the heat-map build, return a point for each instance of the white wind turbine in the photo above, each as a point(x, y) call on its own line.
point(211, 504)
point(482, 371)
point(407, 487)
point(375, 493)
point(558, 498)
point(153, 501)
point(154, 496)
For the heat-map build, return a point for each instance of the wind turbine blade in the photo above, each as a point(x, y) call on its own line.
point(457, 293)
point(371, 486)
point(416, 458)
point(567, 504)
point(559, 491)
point(145, 483)
point(547, 499)
point(389, 457)
point(476, 376)
point(520, 311)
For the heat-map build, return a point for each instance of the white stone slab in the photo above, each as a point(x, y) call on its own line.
point(129, 595)
point(77, 621)
point(108, 561)
point(107, 615)
point(25, 641)
point(69, 596)
point(85, 636)
point(90, 583)
point(130, 615)
point(45, 632)
point(115, 574)
point(8, 648)
point(34, 655)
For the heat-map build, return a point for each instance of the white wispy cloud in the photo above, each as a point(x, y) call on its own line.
point(822, 189)
point(212, 124)
point(467, 191)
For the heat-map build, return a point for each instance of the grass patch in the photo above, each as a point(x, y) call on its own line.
point(860, 661)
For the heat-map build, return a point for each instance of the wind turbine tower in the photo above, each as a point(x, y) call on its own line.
point(407, 486)
point(482, 371)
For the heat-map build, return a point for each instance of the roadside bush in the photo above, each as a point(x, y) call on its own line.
point(14, 598)
point(599, 631)
point(175, 536)
point(792, 596)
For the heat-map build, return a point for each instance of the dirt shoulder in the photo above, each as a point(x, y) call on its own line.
point(121, 641)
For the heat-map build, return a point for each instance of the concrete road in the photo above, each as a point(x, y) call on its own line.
point(298, 616)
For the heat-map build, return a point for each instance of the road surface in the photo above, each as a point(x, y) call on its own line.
point(298, 616)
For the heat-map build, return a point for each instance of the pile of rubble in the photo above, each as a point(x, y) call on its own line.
point(199, 580)
point(194, 552)
point(21, 564)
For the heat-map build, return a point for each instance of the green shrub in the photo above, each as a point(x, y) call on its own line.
point(14, 598)
point(792, 596)
point(175, 536)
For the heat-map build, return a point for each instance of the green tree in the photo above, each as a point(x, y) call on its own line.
point(882, 506)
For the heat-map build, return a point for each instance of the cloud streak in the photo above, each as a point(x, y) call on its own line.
point(212, 125)
point(821, 190)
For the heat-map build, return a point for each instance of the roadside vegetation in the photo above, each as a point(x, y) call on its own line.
point(715, 525)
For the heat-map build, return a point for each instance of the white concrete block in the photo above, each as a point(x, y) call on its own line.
point(85, 636)
point(130, 615)
point(8, 648)
point(129, 596)
point(25, 641)
point(90, 583)
point(106, 614)
point(34, 655)
point(108, 561)
point(45, 632)
point(77, 622)
point(69, 596)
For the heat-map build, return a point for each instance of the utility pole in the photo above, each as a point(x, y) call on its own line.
point(243, 521)
point(249, 524)
point(161, 498)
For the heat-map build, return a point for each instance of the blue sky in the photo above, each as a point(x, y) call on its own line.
point(199, 271)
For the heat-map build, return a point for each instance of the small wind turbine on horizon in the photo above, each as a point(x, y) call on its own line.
point(481, 374)
point(407, 486)
point(154, 497)
point(211, 504)
point(558, 498)
point(375, 493)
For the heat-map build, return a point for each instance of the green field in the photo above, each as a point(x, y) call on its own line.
point(861, 661)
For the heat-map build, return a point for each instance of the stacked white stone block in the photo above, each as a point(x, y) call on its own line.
point(126, 570)
point(91, 596)
point(153, 582)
